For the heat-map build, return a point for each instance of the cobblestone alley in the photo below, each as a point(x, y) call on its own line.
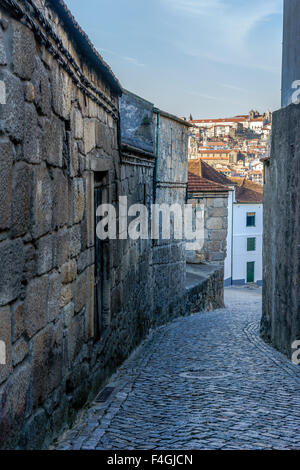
point(203, 382)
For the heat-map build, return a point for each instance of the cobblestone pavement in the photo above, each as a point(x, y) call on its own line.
point(202, 382)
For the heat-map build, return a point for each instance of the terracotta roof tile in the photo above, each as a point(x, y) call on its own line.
point(248, 191)
point(198, 184)
point(202, 178)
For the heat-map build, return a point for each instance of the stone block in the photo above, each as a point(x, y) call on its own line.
point(45, 254)
point(86, 259)
point(42, 202)
point(13, 400)
point(29, 92)
point(6, 162)
point(53, 141)
point(220, 202)
point(74, 160)
point(69, 272)
point(104, 138)
point(68, 314)
point(12, 114)
point(80, 292)
point(36, 306)
point(23, 51)
point(5, 336)
point(78, 200)
point(32, 136)
point(30, 263)
point(21, 203)
point(89, 135)
point(62, 247)
point(217, 212)
point(61, 86)
point(77, 124)
point(60, 191)
point(214, 223)
point(11, 270)
point(75, 339)
point(75, 240)
point(19, 352)
point(218, 235)
point(66, 296)
point(54, 296)
point(3, 57)
point(47, 355)
point(42, 90)
point(18, 321)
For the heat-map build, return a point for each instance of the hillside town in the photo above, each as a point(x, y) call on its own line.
point(233, 146)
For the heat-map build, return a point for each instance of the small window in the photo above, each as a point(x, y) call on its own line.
point(251, 244)
point(251, 219)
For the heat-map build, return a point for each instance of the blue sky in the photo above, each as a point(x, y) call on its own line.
point(210, 58)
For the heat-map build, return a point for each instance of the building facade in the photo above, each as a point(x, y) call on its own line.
point(243, 264)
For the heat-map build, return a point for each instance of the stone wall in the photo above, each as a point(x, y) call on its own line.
point(72, 308)
point(213, 248)
point(281, 319)
point(60, 121)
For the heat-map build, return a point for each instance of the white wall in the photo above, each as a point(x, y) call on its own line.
point(240, 234)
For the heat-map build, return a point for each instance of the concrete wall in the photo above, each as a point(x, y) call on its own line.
point(281, 319)
point(291, 50)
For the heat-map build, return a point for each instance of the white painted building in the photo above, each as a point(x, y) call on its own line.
point(243, 263)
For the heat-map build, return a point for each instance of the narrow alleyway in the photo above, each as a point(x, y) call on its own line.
point(203, 382)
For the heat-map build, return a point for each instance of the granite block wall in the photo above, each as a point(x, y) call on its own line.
point(281, 315)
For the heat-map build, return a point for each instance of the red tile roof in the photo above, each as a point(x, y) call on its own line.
point(247, 191)
point(198, 184)
point(212, 151)
point(202, 177)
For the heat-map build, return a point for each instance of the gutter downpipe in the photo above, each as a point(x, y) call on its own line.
point(156, 153)
point(232, 239)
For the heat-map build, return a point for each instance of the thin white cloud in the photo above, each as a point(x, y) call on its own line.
point(232, 87)
point(133, 61)
point(220, 30)
point(128, 59)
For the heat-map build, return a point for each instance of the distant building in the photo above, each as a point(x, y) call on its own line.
point(232, 143)
point(243, 263)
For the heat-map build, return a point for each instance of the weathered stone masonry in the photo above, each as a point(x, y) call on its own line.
point(281, 300)
point(281, 254)
point(72, 308)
